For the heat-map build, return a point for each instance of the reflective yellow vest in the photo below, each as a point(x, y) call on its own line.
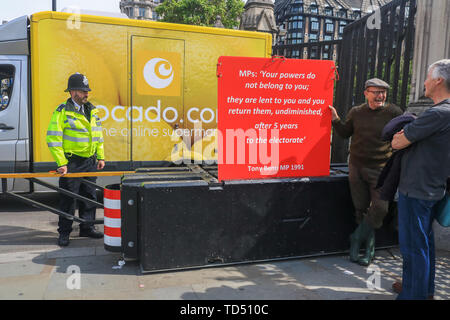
point(70, 132)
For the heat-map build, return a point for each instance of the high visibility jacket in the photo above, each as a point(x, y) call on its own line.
point(70, 132)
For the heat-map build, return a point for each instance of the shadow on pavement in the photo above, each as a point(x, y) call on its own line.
point(327, 278)
point(9, 204)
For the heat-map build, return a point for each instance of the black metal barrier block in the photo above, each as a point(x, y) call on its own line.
point(187, 223)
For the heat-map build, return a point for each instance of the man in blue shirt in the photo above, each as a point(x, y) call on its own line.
point(425, 168)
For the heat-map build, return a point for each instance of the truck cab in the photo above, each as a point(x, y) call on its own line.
point(14, 97)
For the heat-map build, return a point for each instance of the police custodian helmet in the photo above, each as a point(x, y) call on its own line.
point(77, 81)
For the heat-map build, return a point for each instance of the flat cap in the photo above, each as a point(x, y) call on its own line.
point(375, 82)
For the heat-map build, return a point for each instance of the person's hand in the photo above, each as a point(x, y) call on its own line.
point(399, 141)
point(334, 115)
point(100, 164)
point(62, 170)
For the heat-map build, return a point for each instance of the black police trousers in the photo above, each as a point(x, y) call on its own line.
point(67, 204)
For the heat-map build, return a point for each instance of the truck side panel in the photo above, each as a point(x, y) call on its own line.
point(143, 121)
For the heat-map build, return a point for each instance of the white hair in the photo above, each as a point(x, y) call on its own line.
point(441, 69)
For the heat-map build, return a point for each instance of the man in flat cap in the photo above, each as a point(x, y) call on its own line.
point(368, 155)
point(75, 140)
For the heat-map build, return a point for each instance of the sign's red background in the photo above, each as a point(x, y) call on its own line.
point(313, 155)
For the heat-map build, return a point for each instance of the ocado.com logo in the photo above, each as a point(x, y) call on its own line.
point(156, 113)
point(158, 73)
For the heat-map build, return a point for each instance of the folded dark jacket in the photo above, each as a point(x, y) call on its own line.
point(390, 175)
point(396, 125)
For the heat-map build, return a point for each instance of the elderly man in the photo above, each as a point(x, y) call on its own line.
point(75, 140)
point(368, 155)
point(425, 168)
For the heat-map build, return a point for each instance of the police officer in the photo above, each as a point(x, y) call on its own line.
point(75, 140)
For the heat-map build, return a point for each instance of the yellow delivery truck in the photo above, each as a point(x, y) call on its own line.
point(154, 83)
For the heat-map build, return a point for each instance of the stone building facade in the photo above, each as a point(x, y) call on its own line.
point(140, 9)
point(259, 16)
point(304, 21)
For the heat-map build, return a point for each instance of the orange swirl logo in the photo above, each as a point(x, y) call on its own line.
point(158, 73)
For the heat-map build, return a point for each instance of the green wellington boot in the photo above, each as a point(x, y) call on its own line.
point(357, 238)
point(355, 244)
point(370, 250)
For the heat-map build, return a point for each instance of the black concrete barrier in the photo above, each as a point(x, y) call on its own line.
point(178, 219)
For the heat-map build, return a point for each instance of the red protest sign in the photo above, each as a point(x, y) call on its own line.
point(273, 117)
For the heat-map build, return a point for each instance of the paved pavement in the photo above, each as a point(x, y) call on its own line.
point(32, 266)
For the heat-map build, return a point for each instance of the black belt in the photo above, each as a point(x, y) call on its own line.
point(71, 156)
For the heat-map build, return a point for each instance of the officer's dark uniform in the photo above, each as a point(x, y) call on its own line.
point(75, 140)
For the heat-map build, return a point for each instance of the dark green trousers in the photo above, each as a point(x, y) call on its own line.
point(366, 199)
